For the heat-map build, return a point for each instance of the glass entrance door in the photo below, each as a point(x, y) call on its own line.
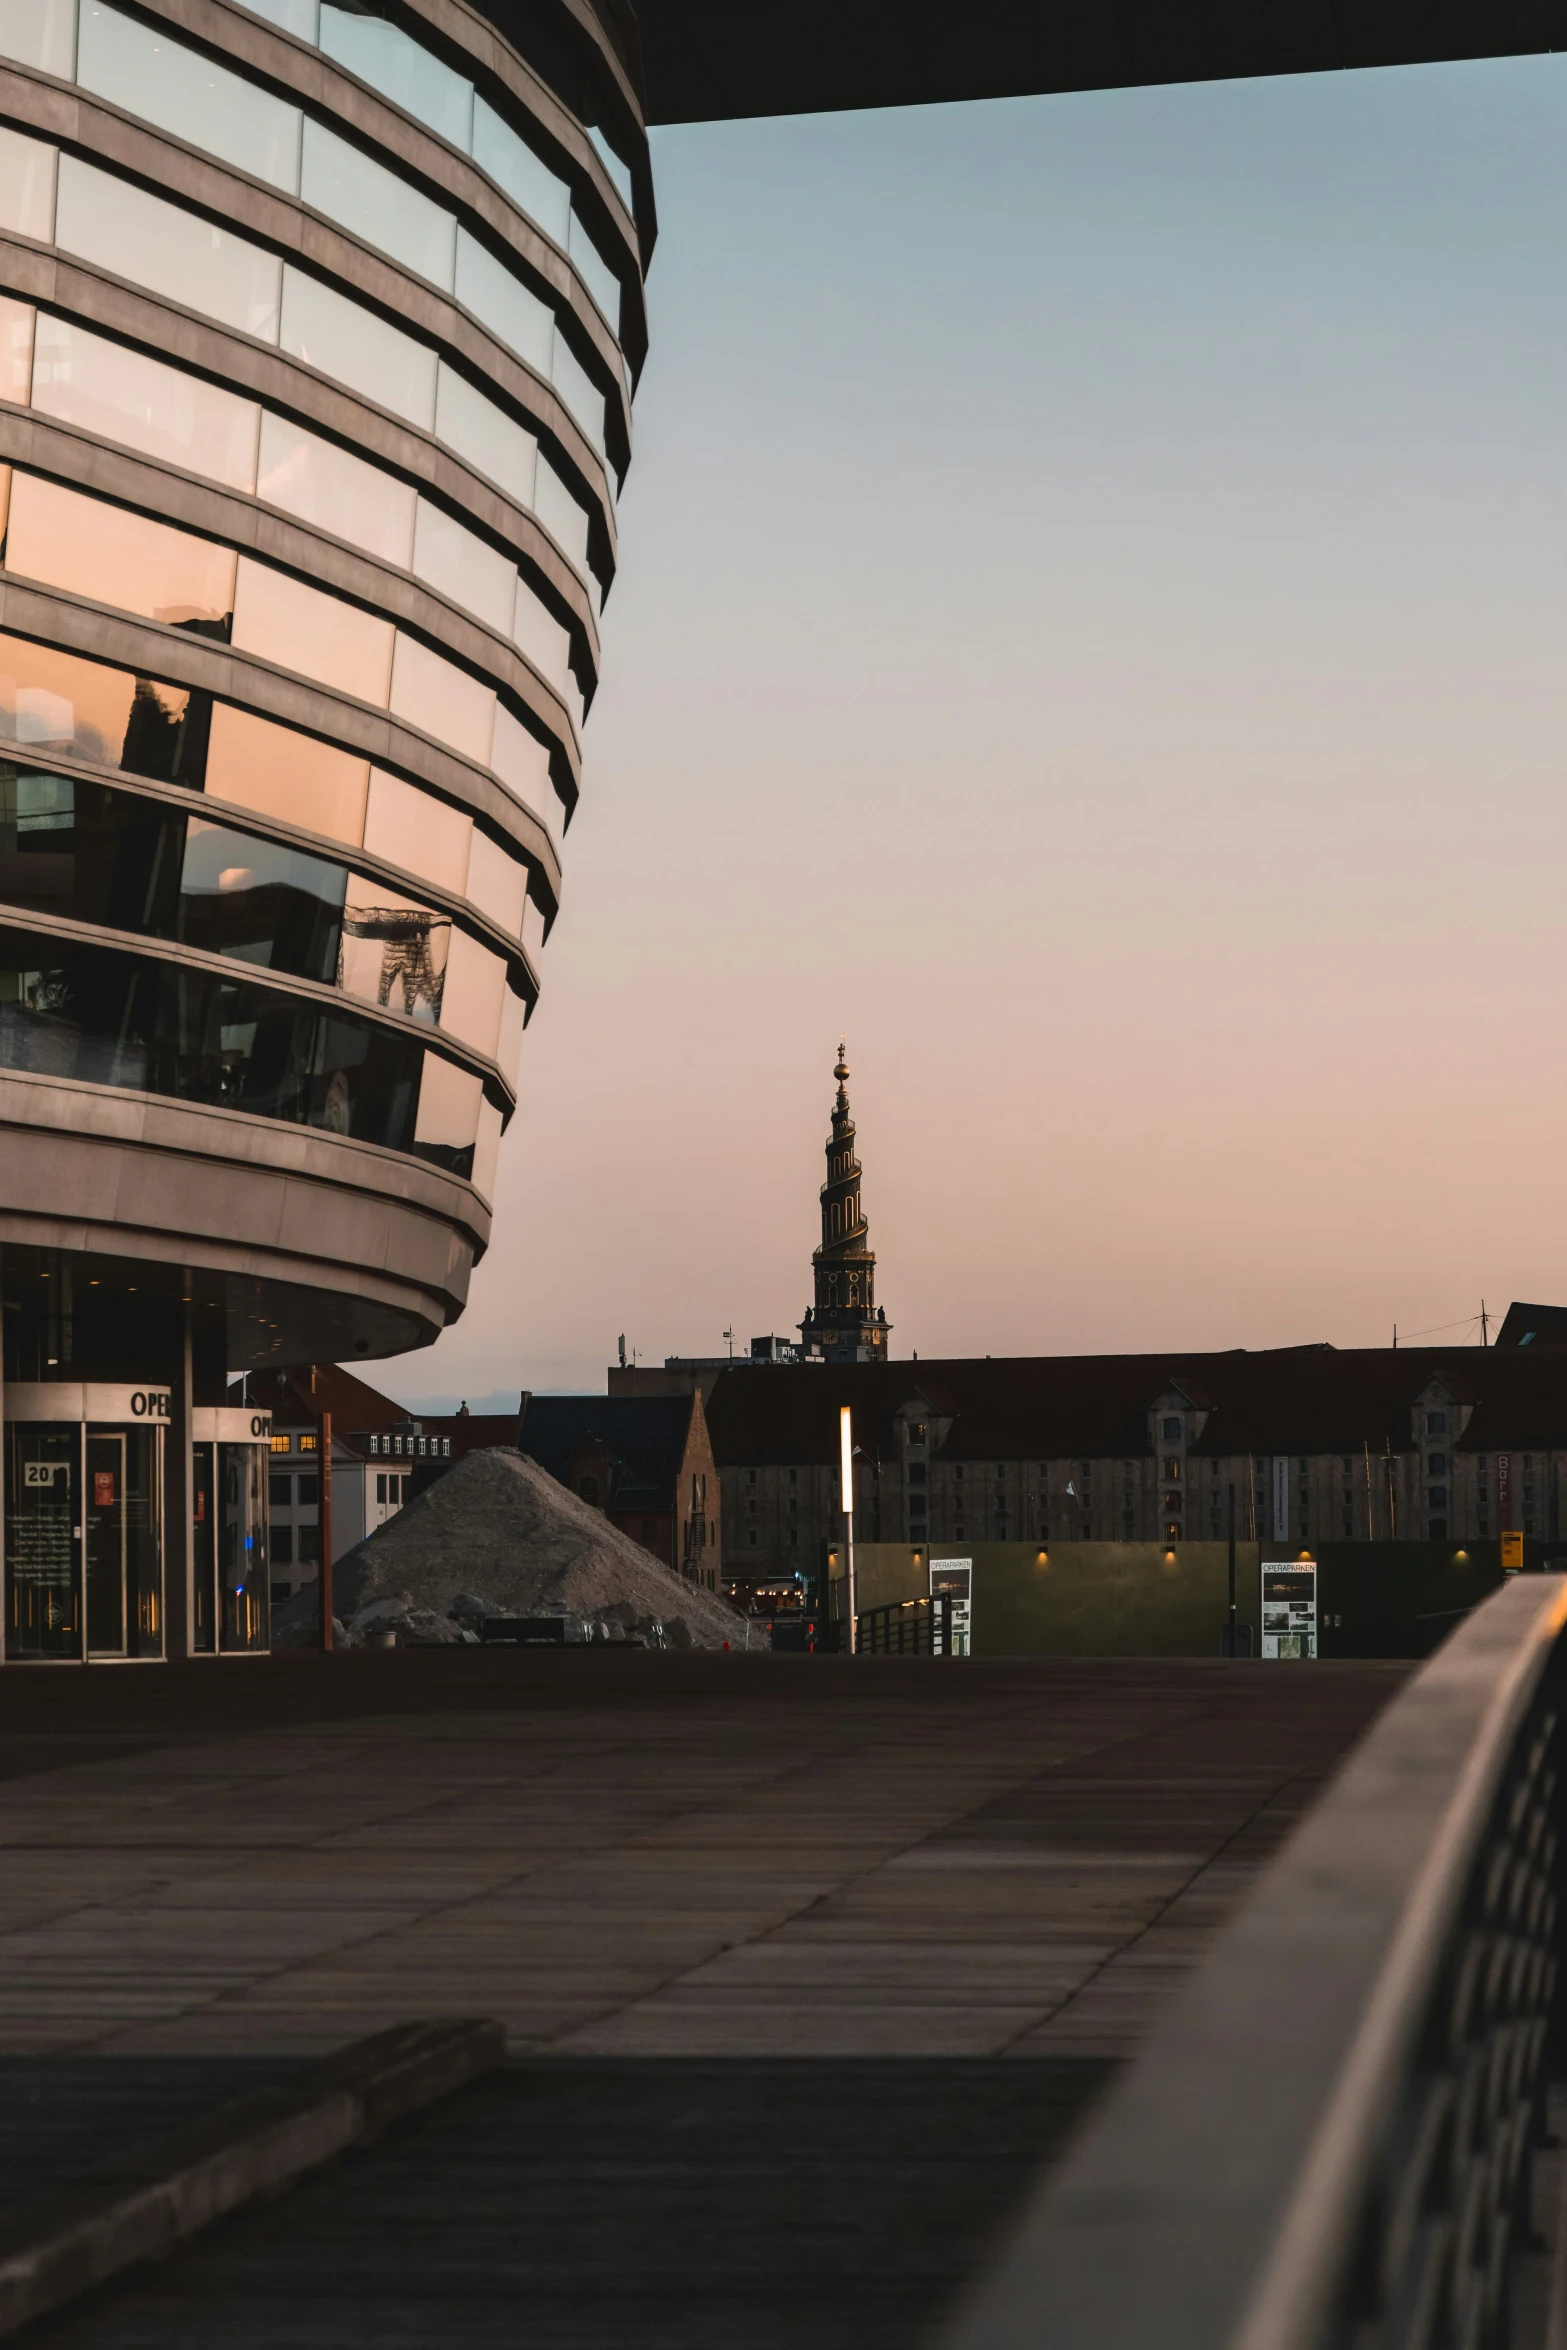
point(121, 1525)
point(42, 1530)
point(104, 1534)
point(204, 1638)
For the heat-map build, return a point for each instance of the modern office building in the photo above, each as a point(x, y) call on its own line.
point(318, 330)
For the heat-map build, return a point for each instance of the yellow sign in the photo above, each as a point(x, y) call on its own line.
point(1512, 1554)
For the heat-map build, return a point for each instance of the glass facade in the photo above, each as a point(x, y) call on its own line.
point(176, 89)
point(80, 851)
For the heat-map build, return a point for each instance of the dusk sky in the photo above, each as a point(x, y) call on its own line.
point(1090, 628)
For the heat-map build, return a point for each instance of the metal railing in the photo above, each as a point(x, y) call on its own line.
point(1328, 2142)
point(909, 1627)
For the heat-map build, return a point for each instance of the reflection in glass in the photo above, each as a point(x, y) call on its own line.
point(580, 393)
point(562, 515)
point(497, 883)
point(508, 1050)
point(291, 16)
point(486, 1150)
point(171, 252)
point(26, 187)
point(51, 701)
point(410, 828)
point(485, 437)
point(40, 33)
point(260, 901)
point(512, 164)
point(538, 634)
point(141, 69)
point(487, 288)
point(90, 853)
point(338, 337)
point(112, 1018)
point(101, 386)
point(324, 485)
point(449, 1100)
point(394, 951)
point(595, 273)
point(373, 203)
point(316, 635)
point(471, 999)
point(91, 548)
point(290, 776)
point(520, 761)
point(385, 57)
point(457, 563)
point(241, 1545)
point(432, 693)
point(204, 1563)
point(16, 349)
point(42, 1572)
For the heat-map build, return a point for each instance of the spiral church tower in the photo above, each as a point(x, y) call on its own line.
point(845, 1324)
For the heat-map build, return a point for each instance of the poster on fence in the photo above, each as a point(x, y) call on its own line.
point(1289, 1607)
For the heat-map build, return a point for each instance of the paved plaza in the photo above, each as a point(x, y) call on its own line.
point(632, 1855)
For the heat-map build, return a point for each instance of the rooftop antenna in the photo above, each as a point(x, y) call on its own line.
point(1485, 1323)
point(729, 1334)
point(622, 1350)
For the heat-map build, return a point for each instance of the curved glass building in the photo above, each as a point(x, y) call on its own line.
point(318, 331)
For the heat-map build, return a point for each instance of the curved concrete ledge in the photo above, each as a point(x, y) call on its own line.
point(90, 1169)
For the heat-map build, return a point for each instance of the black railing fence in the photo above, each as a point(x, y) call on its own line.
point(910, 1627)
point(1330, 2141)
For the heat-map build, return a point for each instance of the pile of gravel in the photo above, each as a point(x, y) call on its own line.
point(498, 1525)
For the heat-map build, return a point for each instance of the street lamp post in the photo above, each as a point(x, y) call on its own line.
point(846, 1443)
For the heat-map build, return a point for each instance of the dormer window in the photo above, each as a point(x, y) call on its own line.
point(1436, 1423)
point(1172, 1430)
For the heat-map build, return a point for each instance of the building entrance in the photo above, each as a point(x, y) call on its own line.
point(229, 1454)
point(84, 1522)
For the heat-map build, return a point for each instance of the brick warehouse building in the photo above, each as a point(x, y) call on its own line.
point(1320, 1443)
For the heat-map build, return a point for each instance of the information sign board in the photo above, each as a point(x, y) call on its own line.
point(956, 1576)
point(1289, 1607)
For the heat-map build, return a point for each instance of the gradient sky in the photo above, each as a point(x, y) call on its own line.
point(1091, 628)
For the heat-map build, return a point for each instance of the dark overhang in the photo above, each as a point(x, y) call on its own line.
point(709, 60)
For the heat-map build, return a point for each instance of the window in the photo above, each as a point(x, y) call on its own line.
point(793, 1476)
point(376, 205)
point(1436, 1465)
point(1001, 1475)
point(750, 1476)
point(171, 252)
point(309, 1492)
point(1172, 1429)
point(341, 339)
point(958, 1474)
point(1172, 1470)
point(1436, 1497)
point(183, 92)
point(402, 69)
point(1438, 1529)
point(280, 1493)
point(278, 1443)
point(1172, 1530)
point(282, 1543)
point(486, 437)
point(312, 633)
point(588, 1487)
point(308, 1443)
point(380, 1488)
point(458, 563)
point(335, 491)
point(916, 1472)
point(82, 379)
point(90, 548)
point(1436, 1423)
point(751, 1538)
point(517, 318)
